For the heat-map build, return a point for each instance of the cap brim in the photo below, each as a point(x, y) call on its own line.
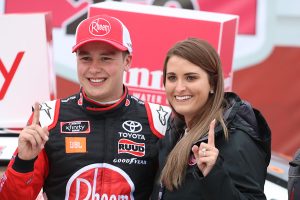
point(115, 44)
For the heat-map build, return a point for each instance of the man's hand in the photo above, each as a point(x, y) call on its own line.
point(33, 137)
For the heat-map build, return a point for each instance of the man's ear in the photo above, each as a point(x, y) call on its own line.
point(128, 61)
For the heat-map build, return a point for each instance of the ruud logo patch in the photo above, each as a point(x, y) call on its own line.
point(130, 147)
point(75, 127)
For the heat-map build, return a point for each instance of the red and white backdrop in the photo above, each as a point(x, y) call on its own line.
point(26, 72)
point(265, 70)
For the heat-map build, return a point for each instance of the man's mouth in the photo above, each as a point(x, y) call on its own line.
point(97, 80)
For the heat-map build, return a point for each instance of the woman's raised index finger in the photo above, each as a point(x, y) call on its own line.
point(211, 133)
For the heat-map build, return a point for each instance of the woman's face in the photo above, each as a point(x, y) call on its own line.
point(187, 86)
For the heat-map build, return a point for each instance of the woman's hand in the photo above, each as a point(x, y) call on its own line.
point(206, 154)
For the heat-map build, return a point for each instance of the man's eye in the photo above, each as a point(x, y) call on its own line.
point(106, 58)
point(85, 58)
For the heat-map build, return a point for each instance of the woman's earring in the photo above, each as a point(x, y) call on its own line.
point(211, 91)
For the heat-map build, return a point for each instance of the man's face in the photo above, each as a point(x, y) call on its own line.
point(100, 68)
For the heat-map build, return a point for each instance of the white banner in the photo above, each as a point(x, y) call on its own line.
point(26, 71)
point(8, 145)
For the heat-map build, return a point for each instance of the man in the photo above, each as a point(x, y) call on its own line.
point(97, 144)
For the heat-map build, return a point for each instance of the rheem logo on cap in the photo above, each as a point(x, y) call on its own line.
point(99, 27)
point(103, 28)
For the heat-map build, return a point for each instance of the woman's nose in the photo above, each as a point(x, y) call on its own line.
point(180, 86)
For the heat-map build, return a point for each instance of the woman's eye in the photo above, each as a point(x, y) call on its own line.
point(171, 78)
point(190, 78)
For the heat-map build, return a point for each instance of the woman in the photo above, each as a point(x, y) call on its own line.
point(217, 146)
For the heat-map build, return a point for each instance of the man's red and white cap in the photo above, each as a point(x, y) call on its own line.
point(103, 28)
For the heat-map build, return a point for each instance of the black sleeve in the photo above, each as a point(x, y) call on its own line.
point(23, 166)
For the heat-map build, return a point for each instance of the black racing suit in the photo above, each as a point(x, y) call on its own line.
point(94, 151)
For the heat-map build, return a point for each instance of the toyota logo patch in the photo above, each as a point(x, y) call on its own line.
point(132, 126)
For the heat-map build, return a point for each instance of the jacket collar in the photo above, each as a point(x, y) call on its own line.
point(96, 107)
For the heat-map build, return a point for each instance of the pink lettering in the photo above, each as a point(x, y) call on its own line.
point(143, 78)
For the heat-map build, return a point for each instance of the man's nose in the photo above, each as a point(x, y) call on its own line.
point(95, 67)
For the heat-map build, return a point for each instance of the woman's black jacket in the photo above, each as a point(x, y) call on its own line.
point(241, 167)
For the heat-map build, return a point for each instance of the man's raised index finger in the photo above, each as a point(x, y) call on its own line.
point(211, 133)
point(36, 114)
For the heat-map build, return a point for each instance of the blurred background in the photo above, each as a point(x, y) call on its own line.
point(266, 64)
